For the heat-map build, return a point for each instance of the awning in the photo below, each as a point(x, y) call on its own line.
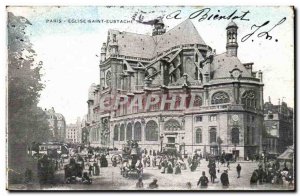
point(213, 144)
point(288, 154)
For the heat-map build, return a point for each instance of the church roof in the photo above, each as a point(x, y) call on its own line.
point(184, 33)
point(146, 46)
point(135, 45)
point(223, 64)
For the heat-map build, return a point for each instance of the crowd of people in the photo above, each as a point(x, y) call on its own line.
point(85, 163)
point(272, 173)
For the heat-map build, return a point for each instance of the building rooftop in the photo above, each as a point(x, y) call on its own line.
point(147, 46)
point(222, 65)
point(232, 24)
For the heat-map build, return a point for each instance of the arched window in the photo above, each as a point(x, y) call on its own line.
point(212, 135)
point(229, 36)
point(124, 67)
point(151, 131)
point(172, 125)
point(197, 101)
point(138, 131)
point(235, 136)
point(198, 136)
point(129, 132)
point(219, 98)
point(122, 132)
point(108, 78)
point(249, 99)
point(233, 37)
point(116, 133)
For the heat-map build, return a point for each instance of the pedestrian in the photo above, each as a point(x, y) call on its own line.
point(224, 178)
point(139, 167)
point(169, 168)
point(153, 184)
point(96, 169)
point(154, 161)
point(254, 178)
point(145, 161)
point(114, 161)
point(212, 172)
point(140, 183)
point(164, 166)
point(260, 172)
point(238, 169)
point(228, 165)
point(189, 160)
point(154, 153)
point(177, 168)
point(203, 181)
point(90, 169)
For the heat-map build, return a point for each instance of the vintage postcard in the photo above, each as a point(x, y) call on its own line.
point(186, 98)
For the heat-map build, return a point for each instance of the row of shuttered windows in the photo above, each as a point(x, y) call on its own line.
point(235, 136)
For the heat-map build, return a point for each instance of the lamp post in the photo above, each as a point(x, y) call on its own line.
point(113, 142)
point(184, 149)
point(161, 142)
point(264, 153)
point(219, 141)
point(235, 151)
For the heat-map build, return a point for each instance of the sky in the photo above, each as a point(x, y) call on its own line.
point(70, 51)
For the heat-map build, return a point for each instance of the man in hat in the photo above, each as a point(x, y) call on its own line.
point(238, 169)
point(203, 181)
point(224, 178)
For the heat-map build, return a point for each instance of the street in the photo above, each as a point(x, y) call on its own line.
point(110, 179)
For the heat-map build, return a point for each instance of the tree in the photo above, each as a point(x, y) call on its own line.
point(27, 122)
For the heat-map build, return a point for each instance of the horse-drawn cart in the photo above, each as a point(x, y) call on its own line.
point(131, 159)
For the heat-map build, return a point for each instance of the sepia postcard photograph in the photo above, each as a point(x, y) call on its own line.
point(150, 98)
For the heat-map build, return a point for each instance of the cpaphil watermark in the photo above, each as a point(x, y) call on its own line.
point(145, 102)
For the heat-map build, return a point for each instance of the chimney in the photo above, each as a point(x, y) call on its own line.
point(260, 75)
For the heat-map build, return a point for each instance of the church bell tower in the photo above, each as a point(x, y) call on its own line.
point(159, 27)
point(231, 45)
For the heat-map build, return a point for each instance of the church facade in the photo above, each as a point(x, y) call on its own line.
point(171, 88)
